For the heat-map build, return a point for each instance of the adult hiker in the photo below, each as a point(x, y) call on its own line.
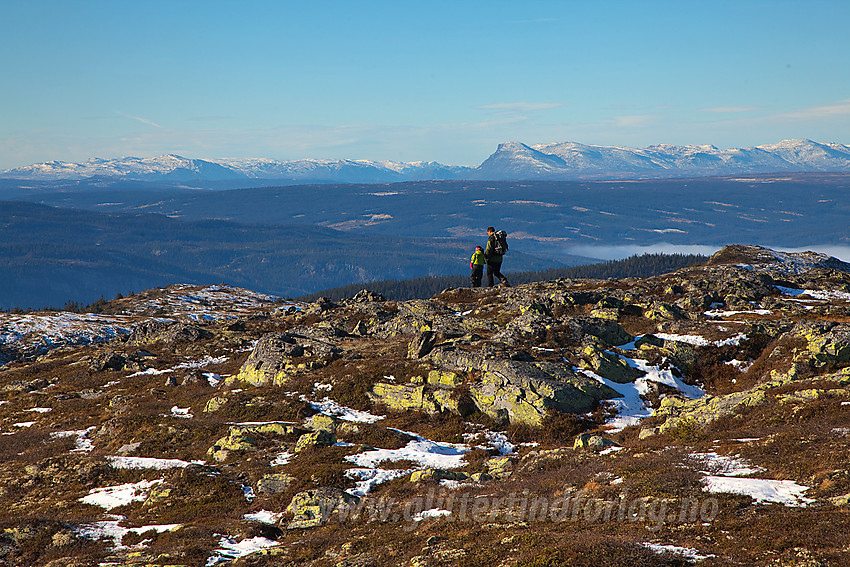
point(476, 264)
point(497, 245)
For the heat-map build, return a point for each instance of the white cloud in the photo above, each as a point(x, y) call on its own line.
point(140, 119)
point(841, 108)
point(633, 121)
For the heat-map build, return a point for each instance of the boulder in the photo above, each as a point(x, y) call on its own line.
point(313, 508)
point(436, 474)
point(423, 397)
point(274, 483)
point(610, 366)
point(659, 311)
point(447, 379)
point(321, 422)
point(421, 344)
point(319, 438)
point(499, 467)
point(236, 440)
point(607, 331)
point(607, 313)
point(523, 391)
point(215, 403)
point(703, 411)
point(418, 316)
point(273, 359)
point(366, 296)
point(530, 325)
point(593, 442)
point(826, 342)
point(109, 360)
point(154, 330)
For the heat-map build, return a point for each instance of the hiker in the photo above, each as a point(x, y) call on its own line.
point(476, 264)
point(497, 245)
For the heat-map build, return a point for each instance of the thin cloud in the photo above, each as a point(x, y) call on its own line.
point(633, 121)
point(140, 119)
point(840, 108)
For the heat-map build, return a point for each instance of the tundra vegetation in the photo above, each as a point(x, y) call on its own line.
point(694, 417)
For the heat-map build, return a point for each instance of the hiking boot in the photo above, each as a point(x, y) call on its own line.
point(506, 283)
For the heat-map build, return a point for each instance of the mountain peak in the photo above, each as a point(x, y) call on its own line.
point(511, 160)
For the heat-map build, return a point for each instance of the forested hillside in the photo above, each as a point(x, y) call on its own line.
point(49, 256)
point(642, 266)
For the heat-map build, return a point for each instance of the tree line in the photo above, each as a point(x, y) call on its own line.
point(640, 266)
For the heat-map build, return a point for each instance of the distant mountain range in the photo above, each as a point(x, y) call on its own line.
point(510, 161)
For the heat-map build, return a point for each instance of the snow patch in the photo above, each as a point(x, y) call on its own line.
point(110, 497)
point(121, 462)
point(687, 553)
point(432, 513)
point(264, 517)
point(333, 409)
point(786, 492)
point(110, 530)
point(230, 549)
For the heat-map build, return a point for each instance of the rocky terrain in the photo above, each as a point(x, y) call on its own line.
point(700, 417)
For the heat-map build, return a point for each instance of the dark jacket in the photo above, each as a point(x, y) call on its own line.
point(490, 252)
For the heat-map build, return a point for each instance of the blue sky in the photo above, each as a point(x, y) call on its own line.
point(405, 81)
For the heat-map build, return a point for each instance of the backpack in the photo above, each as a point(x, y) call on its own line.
point(500, 243)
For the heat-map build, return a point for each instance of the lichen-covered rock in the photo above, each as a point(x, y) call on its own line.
point(274, 483)
point(826, 342)
point(812, 394)
point(153, 330)
point(704, 411)
point(236, 440)
point(215, 403)
point(664, 312)
point(610, 366)
point(272, 361)
point(607, 313)
point(313, 508)
point(499, 467)
point(447, 379)
point(421, 344)
point(423, 397)
point(321, 422)
point(436, 474)
point(109, 360)
point(522, 392)
point(607, 331)
point(319, 306)
point(480, 477)
point(419, 316)
point(319, 438)
point(366, 296)
point(593, 442)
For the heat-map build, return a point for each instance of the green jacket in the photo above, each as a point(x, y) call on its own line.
point(477, 259)
point(489, 252)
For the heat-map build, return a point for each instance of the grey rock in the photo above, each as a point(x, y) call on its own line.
point(313, 508)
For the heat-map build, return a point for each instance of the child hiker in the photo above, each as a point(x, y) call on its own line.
point(476, 264)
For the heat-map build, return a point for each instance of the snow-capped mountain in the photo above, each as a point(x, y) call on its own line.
point(571, 160)
point(165, 167)
point(177, 168)
point(510, 161)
